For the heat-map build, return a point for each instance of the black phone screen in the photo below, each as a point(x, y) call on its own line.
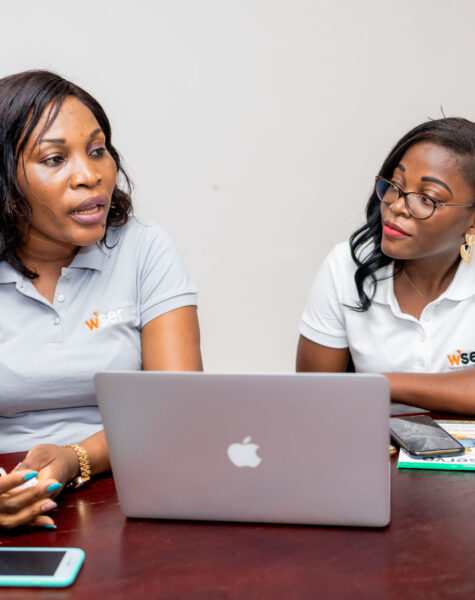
point(422, 434)
point(29, 562)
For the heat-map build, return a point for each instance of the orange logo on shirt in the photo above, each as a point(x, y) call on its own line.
point(454, 359)
point(461, 358)
point(93, 323)
point(111, 317)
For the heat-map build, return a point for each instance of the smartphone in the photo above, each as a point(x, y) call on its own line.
point(42, 567)
point(421, 436)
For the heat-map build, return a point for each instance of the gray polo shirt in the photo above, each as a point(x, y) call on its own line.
point(50, 352)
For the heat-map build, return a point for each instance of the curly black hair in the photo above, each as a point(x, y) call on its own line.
point(24, 97)
point(455, 134)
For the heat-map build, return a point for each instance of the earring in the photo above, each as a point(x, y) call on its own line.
point(466, 250)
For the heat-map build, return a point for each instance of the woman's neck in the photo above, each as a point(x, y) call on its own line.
point(431, 277)
point(40, 254)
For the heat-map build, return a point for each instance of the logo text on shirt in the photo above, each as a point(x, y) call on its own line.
point(111, 317)
point(460, 358)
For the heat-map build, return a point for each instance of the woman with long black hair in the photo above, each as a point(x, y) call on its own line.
point(84, 287)
point(399, 297)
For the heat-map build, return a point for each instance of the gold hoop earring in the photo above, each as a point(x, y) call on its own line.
point(466, 250)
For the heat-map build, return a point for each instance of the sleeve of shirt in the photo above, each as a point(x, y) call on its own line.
point(163, 280)
point(323, 320)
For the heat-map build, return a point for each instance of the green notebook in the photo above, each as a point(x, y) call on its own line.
point(464, 431)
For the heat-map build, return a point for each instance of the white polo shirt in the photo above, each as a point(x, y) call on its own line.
point(49, 353)
point(384, 339)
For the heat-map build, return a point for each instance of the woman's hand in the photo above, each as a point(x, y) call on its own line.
point(52, 462)
point(53, 466)
point(25, 506)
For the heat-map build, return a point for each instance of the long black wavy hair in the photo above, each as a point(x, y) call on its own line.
point(23, 99)
point(455, 134)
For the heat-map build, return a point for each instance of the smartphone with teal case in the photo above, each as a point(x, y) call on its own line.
point(39, 567)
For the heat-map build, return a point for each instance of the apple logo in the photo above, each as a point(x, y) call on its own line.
point(244, 455)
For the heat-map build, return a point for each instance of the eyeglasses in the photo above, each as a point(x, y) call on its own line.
point(419, 206)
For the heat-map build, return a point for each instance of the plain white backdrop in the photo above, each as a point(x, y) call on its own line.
point(253, 129)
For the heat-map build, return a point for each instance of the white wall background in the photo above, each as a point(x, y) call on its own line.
point(253, 129)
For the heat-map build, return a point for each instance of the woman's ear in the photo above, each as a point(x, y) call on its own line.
point(467, 248)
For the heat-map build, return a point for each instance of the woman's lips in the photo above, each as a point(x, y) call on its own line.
point(91, 211)
point(392, 230)
point(101, 200)
point(90, 216)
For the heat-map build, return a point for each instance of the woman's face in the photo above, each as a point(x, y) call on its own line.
point(68, 178)
point(432, 170)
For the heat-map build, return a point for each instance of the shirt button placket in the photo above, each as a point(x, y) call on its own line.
point(58, 319)
point(424, 360)
point(57, 331)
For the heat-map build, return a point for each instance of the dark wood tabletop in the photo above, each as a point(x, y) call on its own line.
point(425, 553)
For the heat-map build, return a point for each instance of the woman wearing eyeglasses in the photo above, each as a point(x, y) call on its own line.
point(399, 298)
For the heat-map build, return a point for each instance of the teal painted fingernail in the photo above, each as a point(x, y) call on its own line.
point(48, 526)
point(53, 487)
point(29, 476)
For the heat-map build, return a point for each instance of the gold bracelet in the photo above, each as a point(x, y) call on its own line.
point(84, 467)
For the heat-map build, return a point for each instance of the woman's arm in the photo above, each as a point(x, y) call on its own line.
point(446, 392)
point(172, 342)
point(312, 357)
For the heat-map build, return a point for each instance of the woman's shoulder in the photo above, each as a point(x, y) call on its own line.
point(336, 273)
point(137, 235)
point(340, 267)
point(340, 259)
point(342, 256)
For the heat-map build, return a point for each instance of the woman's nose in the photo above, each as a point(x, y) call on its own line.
point(84, 173)
point(399, 206)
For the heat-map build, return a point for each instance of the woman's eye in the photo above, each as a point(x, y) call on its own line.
point(426, 200)
point(98, 151)
point(53, 161)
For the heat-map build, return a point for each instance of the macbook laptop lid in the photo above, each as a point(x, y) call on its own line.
point(302, 448)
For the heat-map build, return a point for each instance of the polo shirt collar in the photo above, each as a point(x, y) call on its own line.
point(88, 257)
point(461, 287)
point(463, 284)
point(7, 273)
point(385, 285)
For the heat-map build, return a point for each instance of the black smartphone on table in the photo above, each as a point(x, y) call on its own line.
point(421, 436)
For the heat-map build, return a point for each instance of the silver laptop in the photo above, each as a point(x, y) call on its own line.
point(301, 448)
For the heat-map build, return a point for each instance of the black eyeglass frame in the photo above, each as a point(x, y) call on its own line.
point(435, 203)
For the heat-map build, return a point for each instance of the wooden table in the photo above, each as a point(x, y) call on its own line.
point(427, 552)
